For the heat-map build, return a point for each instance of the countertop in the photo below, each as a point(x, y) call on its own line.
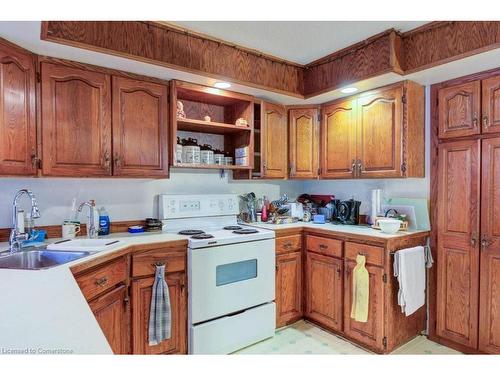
point(362, 230)
point(44, 311)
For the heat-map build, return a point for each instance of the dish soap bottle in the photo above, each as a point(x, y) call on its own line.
point(103, 222)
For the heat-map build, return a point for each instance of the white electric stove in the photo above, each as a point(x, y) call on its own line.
point(231, 272)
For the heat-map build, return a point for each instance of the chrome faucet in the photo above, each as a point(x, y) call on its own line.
point(92, 231)
point(16, 236)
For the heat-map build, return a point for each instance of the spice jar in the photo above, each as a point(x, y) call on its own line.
point(178, 151)
point(228, 159)
point(219, 157)
point(191, 151)
point(207, 154)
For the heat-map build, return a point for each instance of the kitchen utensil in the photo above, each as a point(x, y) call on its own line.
point(389, 226)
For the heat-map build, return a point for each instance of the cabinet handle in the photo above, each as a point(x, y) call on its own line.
point(118, 161)
point(485, 122)
point(107, 159)
point(34, 161)
point(474, 120)
point(102, 281)
point(276, 267)
point(473, 240)
point(485, 243)
point(360, 167)
point(353, 168)
point(323, 246)
point(338, 272)
point(287, 245)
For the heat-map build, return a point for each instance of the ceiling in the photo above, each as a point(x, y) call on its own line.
point(298, 41)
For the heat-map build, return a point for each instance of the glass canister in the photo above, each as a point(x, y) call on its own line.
point(178, 151)
point(207, 154)
point(219, 157)
point(228, 159)
point(191, 151)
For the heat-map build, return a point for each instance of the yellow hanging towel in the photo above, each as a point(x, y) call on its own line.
point(360, 290)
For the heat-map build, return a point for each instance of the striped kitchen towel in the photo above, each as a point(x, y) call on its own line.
point(159, 313)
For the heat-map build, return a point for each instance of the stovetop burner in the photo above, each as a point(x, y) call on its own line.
point(190, 232)
point(202, 236)
point(245, 231)
point(232, 227)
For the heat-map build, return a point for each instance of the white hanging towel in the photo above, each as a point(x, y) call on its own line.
point(409, 268)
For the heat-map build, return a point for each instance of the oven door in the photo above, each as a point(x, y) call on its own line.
point(230, 278)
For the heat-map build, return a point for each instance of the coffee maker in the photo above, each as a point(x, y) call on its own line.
point(346, 212)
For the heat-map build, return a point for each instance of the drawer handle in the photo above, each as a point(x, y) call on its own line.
point(158, 264)
point(102, 281)
point(323, 246)
point(287, 245)
point(363, 254)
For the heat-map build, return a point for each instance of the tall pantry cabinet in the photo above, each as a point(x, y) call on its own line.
point(466, 188)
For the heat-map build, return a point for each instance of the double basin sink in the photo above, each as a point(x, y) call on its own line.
point(54, 254)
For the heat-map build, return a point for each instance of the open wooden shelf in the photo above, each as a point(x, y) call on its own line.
point(210, 127)
point(211, 166)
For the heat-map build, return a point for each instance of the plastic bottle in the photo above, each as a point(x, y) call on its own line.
point(264, 213)
point(103, 222)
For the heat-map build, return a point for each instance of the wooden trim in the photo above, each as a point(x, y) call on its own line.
point(424, 47)
point(438, 43)
point(54, 231)
point(155, 44)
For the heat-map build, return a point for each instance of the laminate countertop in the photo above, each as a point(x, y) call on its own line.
point(44, 311)
point(358, 230)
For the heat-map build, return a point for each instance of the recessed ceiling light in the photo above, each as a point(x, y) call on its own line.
point(348, 90)
point(222, 85)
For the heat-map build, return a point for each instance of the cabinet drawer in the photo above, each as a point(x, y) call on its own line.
point(325, 246)
point(288, 244)
point(374, 254)
point(144, 264)
point(103, 278)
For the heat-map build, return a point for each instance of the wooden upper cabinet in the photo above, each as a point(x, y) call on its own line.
point(338, 140)
point(17, 112)
point(379, 139)
point(459, 110)
point(324, 290)
point(112, 312)
point(140, 112)
point(491, 105)
point(141, 301)
point(372, 332)
point(304, 142)
point(489, 318)
point(76, 121)
point(274, 136)
point(458, 242)
point(288, 288)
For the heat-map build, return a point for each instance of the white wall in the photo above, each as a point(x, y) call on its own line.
point(126, 199)
point(361, 189)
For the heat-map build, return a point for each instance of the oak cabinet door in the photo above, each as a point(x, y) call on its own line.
point(141, 300)
point(489, 310)
point(76, 122)
point(459, 109)
point(380, 132)
point(491, 105)
point(111, 312)
point(17, 112)
point(304, 140)
point(324, 290)
point(288, 288)
point(140, 112)
point(458, 242)
point(274, 134)
point(338, 140)
point(370, 333)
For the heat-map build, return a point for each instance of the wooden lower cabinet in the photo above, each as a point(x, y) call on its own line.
point(370, 333)
point(324, 302)
point(141, 299)
point(111, 311)
point(288, 288)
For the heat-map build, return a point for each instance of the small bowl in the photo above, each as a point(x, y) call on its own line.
point(389, 226)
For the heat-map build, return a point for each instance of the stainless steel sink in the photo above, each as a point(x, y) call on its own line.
point(40, 259)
